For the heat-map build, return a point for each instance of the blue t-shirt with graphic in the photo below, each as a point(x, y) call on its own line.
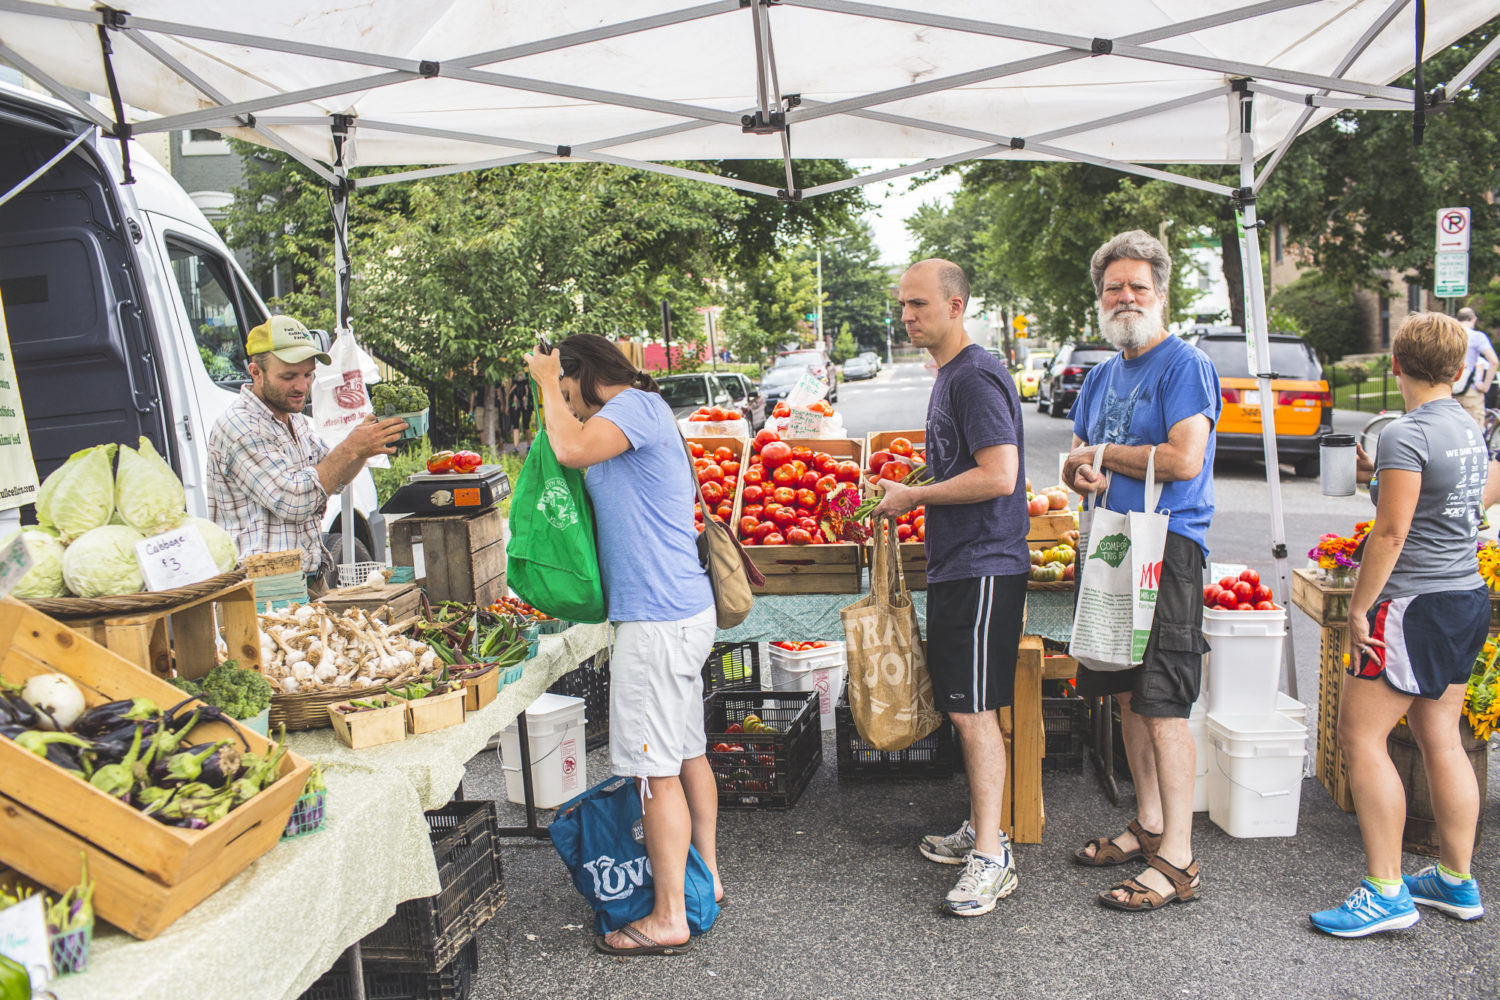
point(974, 405)
point(643, 503)
point(1125, 401)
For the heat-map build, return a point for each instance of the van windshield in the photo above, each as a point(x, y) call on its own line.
point(211, 312)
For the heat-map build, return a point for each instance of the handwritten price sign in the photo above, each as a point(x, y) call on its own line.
point(175, 559)
point(15, 562)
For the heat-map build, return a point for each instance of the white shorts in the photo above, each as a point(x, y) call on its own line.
point(656, 695)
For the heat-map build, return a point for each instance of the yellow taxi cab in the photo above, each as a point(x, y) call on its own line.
point(1301, 398)
point(1030, 375)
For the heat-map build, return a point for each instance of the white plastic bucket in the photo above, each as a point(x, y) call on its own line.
point(1244, 665)
point(559, 761)
point(827, 681)
point(1291, 708)
point(1198, 728)
point(1255, 777)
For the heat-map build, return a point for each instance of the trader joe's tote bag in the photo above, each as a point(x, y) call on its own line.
point(890, 691)
point(1118, 580)
point(551, 559)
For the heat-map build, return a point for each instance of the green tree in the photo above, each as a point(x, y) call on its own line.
point(844, 346)
point(1325, 313)
point(856, 288)
point(768, 307)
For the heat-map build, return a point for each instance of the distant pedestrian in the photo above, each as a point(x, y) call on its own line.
point(977, 566)
point(1158, 392)
point(1417, 619)
point(520, 408)
point(1480, 364)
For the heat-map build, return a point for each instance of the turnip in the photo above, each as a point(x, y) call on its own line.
point(56, 699)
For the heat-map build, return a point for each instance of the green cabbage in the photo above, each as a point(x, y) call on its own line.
point(102, 562)
point(45, 578)
point(148, 494)
point(220, 544)
point(80, 495)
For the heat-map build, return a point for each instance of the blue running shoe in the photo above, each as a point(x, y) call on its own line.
point(1366, 911)
point(1428, 888)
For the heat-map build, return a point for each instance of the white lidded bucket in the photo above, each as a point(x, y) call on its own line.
point(1244, 665)
point(821, 670)
point(1291, 708)
point(559, 762)
point(1198, 729)
point(1255, 778)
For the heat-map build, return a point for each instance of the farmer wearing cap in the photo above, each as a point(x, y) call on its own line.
point(270, 475)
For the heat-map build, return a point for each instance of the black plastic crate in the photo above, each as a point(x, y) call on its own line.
point(1065, 721)
point(768, 770)
point(395, 982)
point(933, 755)
point(591, 683)
point(732, 666)
point(431, 931)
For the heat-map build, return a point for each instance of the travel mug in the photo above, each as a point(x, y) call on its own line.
point(1337, 464)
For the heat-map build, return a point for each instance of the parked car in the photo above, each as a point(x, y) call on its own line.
point(812, 358)
point(746, 396)
point(1063, 378)
point(859, 368)
point(1303, 402)
point(873, 357)
point(778, 381)
point(1029, 375)
point(686, 393)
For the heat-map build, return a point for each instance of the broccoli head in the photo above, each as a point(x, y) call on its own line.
point(390, 398)
point(241, 694)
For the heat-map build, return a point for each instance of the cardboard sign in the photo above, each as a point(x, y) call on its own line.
point(809, 389)
point(23, 939)
point(18, 481)
point(175, 559)
point(15, 562)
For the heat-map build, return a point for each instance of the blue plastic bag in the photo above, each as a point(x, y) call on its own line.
point(598, 834)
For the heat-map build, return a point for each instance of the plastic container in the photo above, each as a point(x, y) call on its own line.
point(1198, 729)
point(357, 573)
point(819, 670)
point(732, 666)
point(933, 755)
point(1336, 464)
point(1291, 708)
point(1065, 723)
point(1243, 669)
point(416, 424)
point(1255, 777)
point(762, 770)
point(559, 767)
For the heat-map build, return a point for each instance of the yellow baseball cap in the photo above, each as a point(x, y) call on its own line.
point(286, 338)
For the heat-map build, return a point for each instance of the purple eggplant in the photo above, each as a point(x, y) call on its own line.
point(15, 710)
point(11, 730)
point(115, 716)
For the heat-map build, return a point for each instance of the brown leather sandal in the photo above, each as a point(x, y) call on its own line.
point(1107, 852)
point(1141, 898)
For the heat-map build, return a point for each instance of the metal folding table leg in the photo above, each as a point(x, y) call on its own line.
point(532, 828)
point(356, 972)
point(1103, 752)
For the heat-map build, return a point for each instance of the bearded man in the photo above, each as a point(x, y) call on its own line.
point(1158, 394)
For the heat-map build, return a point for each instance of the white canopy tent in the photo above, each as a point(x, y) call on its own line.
point(463, 84)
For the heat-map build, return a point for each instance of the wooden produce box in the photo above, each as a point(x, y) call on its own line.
point(371, 728)
point(1022, 813)
point(464, 557)
point(264, 564)
point(147, 874)
point(403, 599)
point(482, 689)
point(833, 568)
point(1051, 526)
point(913, 553)
point(186, 632)
point(879, 440)
point(438, 711)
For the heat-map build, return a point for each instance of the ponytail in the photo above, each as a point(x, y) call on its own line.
point(644, 382)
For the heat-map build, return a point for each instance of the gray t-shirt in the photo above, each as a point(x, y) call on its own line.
point(1442, 442)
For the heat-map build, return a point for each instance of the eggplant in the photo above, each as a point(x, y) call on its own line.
point(119, 779)
point(15, 709)
point(114, 716)
point(187, 766)
point(220, 767)
point(201, 713)
point(11, 730)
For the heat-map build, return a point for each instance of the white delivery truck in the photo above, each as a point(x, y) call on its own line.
point(127, 314)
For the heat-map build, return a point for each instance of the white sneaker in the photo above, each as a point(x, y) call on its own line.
point(985, 882)
point(950, 850)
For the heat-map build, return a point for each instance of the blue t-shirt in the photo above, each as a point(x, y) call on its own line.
point(1137, 402)
point(643, 502)
point(974, 405)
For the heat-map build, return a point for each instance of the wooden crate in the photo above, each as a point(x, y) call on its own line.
point(1330, 761)
point(1325, 605)
point(186, 633)
point(1023, 813)
point(1051, 526)
point(741, 449)
point(262, 564)
point(877, 440)
point(370, 728)
point(403, 599)
point(464, 556)
point(812, 569)
point(147, 873)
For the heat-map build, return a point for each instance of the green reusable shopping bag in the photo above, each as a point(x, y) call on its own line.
point(552, 561)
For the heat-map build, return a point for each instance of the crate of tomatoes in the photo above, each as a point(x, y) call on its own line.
point(895, 455)
point(763, 746)
point(717, 462)
point(783, 517)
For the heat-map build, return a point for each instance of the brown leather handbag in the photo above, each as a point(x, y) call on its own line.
point(730, 570)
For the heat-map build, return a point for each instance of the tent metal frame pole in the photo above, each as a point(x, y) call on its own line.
point(210, 116)
point(1256, 334)
point(61, 92)
point(341, 275)
point(596, 34)
point(1476, 65)
point(594, 94)
point(691, 175)
point(381, 180)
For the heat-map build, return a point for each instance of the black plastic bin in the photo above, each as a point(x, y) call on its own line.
point(934, 755)
point(732, 666)
point(763, 770)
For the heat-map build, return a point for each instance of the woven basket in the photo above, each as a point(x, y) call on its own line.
point(134, 604)
point(310, 710)
point(1056, 585)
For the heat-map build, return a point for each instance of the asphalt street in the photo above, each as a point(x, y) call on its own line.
point(832, 900)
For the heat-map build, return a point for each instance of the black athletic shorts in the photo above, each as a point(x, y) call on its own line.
point(973, 632)
point(1171, 672)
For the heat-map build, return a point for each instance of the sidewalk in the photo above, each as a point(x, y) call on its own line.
point(832, 900)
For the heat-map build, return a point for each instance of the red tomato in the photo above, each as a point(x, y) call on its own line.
point(807, 523)
point(1244, 592)
point(802, 453)
point(784, 495)
point(784, 517)
point(764, 530)
point(818, 539)
point(1228, 582)
point(1227, 600)
point(712, 492)
point(807, 499)
point(731, 467)
point(798, 466)
point(1245, 607)
point(775, 454)
point(919, 520)
point(922, 537)
point(722, 454)
point(729, 484)
point(702, 463)
point(754, 493)
point(825, 463)
point(753, 510)
point(900, 446)
point(747, 526)
point(724, 511)
point(895, 470)
point(1264, 606)
point(765, 437)
point(755, 475)
point(1262, 593)
point(1211, 595)
point(697, 512)
point(785, 475)
point(782, 410)
point(699, 418)
point(798, 536)
point(1251, 577)
point(774, 538)
point(903, 532)
point(904, 518)
point(710, 473)
point(878, 460)
point(825, 484)
point(697, 525)
point(808, 481)
point(847, 472)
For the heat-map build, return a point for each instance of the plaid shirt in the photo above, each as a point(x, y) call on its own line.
point(262, 487)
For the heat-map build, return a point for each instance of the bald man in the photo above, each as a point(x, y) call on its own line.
point(977, 566)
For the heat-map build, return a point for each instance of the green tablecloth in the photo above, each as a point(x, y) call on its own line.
point(281, 923)
point(805, 617)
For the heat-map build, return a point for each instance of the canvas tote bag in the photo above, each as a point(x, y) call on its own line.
point(1118, 580)
point(890, 691)
point(730, 570)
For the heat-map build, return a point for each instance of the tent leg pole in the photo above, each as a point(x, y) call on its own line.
point(1257, 335)
point(341, 307)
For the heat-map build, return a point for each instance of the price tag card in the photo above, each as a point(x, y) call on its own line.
point(175, 559)
point(15, 562)
point(1218, 571)
point(803, 424)
point(23, 939)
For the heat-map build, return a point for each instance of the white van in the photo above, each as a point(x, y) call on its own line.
point(127, 313)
